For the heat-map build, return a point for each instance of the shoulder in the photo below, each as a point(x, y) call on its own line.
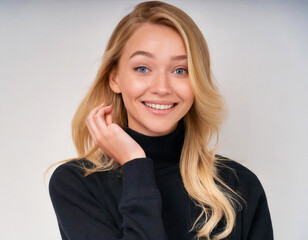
point(238, 177)
point(253, 217)
point(69, 173)
point(75, 167)
point(73, 174)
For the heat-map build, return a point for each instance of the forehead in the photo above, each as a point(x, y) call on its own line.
point(155, 37)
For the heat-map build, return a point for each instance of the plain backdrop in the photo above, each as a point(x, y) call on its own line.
point(50, 52)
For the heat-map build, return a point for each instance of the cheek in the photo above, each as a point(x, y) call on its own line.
point(185, 91)
point(128, 82)
point(137, 85)
point(132, 89)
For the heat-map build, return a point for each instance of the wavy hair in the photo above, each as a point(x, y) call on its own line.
point(198, 164)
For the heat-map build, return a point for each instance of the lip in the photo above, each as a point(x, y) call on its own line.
point(159, 112)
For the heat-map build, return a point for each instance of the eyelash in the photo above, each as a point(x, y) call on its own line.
point(136, 68)
point(181, 68)
point(185, 70)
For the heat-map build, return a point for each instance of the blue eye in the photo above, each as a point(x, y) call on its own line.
point(141, 69)
point(180, 71)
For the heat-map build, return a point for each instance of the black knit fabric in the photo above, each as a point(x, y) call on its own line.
point(148, 199)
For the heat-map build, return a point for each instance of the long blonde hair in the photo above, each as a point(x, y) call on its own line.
point(198, 164)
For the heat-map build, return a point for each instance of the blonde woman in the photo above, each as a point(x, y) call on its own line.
point(144, 168)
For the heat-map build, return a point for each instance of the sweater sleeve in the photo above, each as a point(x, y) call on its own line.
point(81, 216)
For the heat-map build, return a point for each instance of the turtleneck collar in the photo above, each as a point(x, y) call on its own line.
point(163, 150)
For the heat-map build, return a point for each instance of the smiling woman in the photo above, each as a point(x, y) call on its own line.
point(145, 169)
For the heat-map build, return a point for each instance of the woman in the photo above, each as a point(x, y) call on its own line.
point(145, 169)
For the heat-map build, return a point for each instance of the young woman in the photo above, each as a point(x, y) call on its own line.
point(145, 169)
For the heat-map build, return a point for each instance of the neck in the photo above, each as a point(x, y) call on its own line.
point(164, 150)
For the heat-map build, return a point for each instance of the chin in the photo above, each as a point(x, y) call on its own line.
point(160, 129)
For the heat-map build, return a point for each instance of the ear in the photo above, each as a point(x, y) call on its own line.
point(114, 81)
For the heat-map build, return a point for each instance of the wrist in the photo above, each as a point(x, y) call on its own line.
point(137, 155)
point(134, 156)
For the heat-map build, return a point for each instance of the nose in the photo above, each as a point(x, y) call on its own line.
point(160, 84)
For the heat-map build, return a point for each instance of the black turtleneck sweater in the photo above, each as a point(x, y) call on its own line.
point(146, 199)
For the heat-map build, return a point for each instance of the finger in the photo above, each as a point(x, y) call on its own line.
point(96, 142)
point(94, 111)
point(99, 118)
point(109, 118)
point(94, 131)
point(92, 135)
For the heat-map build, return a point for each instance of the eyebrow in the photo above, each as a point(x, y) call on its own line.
point(179, 57)
point(150, 55)
point(143, 53)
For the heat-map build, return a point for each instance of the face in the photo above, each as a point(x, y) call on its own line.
point(152, 76)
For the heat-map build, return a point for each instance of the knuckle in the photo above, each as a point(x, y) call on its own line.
point(101, 111)
point(96, 117)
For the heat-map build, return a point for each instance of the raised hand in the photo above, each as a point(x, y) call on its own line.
point(110, 137)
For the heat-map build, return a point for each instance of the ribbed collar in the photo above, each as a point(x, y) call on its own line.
point(164, 150)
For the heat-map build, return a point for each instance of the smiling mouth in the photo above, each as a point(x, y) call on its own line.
point(160, 106)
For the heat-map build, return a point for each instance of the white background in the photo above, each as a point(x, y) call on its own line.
point(49, 55)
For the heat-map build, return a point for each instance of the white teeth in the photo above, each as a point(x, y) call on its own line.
point(157, 106)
